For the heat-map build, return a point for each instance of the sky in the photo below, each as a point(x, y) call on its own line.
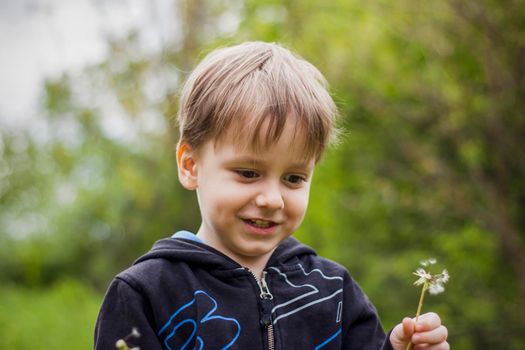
point(43, 38)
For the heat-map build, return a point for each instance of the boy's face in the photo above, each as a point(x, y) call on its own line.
point(249, 201)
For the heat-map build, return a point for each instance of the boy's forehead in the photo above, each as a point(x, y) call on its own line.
point(254, 143)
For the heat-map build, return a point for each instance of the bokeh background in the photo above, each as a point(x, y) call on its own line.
point(432, 163)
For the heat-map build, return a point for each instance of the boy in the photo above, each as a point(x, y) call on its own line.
point(254, 120)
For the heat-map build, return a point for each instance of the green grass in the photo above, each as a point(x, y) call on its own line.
point(59, 317)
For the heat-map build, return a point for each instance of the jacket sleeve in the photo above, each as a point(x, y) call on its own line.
point(123, 309)
point(362, 329)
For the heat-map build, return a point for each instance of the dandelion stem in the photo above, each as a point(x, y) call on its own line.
point(421, 299)
point(410, 345)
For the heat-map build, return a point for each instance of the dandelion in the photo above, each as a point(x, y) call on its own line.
point(122, 344)
point(434, 284)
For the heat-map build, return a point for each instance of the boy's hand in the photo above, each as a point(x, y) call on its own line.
point(428, 333)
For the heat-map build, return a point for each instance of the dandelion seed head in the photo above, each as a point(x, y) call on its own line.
point(434, 283)
point(424, 277)
point(436, 289)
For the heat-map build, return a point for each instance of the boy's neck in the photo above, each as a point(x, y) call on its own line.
point(255, 264)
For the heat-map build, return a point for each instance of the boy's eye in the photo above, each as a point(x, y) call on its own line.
point(295, 179)
point(247, 174)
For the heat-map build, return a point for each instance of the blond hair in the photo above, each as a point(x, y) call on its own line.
point(256, 86)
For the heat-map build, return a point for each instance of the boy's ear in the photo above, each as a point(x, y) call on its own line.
point(187, 166)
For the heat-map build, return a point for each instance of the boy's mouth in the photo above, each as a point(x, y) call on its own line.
point(260, 223)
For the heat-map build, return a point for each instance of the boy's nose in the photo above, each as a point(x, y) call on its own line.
point(270, 198)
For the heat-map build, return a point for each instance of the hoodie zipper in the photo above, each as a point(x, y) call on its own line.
point(266, 305)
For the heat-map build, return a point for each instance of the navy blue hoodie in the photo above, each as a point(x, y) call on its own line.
point(186, 295)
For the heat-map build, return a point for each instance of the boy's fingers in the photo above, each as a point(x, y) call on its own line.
point(442, 346)
point(402, 333)
point(427, 322)
point(408, 327)
point(434, 336)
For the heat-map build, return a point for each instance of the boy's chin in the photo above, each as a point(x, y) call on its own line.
point(261, 249)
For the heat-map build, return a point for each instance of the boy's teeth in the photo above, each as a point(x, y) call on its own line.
point(260, 223)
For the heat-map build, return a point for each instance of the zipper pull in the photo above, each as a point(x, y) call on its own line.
point(265, 291)
point(266, 312)
point(266, 302)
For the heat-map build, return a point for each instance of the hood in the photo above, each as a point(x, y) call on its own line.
point(196, 253)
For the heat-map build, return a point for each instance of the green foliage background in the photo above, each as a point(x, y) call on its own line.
point(431, 164)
